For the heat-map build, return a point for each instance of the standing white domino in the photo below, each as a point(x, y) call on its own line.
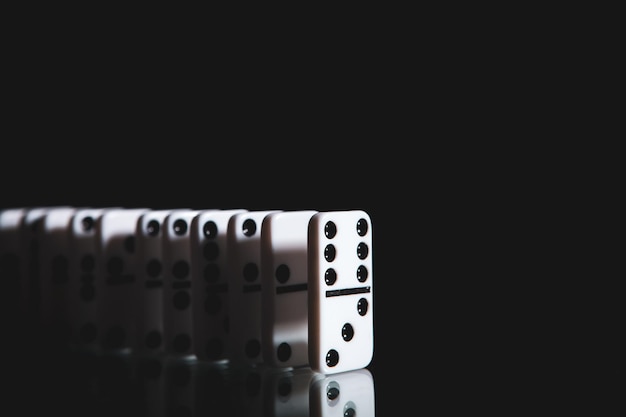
point(149, 286)
point(55, 275)
point(115, 278)
point(349, 393)
point(177, 283)
point(341, 329)
point(32, 235)
point(285, 285)
point(244, 253)
point(209, 271)
point(82, 288)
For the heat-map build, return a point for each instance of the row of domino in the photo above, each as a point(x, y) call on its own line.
point(283, 288)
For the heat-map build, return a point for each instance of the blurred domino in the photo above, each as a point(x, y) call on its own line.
point(82, 287)
point(116, 275)
point(177, 283)
point(209, 271)
point(149, 286)
point(55, 258)
point(285, 283)
point(341, 331)
point(244, 253)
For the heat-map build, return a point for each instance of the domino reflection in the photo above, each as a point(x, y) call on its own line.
point(115, 384)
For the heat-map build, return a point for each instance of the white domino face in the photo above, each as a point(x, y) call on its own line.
point(341, 331)
point(284, 288)
point(177, 283)
point(83, 261)
point(116, 277)
point(209, 270)
point(348, 393)
point(55, 259)
point(244, 250)
point(149, 287)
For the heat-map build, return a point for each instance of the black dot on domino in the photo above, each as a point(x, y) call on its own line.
point(211, 251)
point(330, 230)
point(253, 348)
point(180, 269)
point(282, 273)
point(332, 358)
point(181, 300)
point(153, 339)
point(283, 353)
point(347, 332)
point(329, 253)
point(153, 227)
point(250, 272)
point(362, 306)
point(88, 223)
point(249, 227)
point(181, 343)
point(212, 304)
point(362, 227)
point(349, 410)
point(209, 229)
point(180, 227)
point(153, 268)
point(330, 276)
point(362, 250)
point(362, 273)
point(129, 244)
point(332, 391)
point(284, 387)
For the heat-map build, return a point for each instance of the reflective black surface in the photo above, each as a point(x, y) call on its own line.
point(73, 382)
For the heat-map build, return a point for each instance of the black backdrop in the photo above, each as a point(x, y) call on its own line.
point(497, 217)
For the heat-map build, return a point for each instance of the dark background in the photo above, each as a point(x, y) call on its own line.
point(494, 197)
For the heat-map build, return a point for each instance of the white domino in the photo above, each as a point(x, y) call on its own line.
point(244, 252)
point(32, 234)
point(83, 271)
point(341, 331)
point(209, 271)
point(116, 275)
point(349, 393)
point(55, 258)
point(285, 284)
point(149, 286)
point(177, 283)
